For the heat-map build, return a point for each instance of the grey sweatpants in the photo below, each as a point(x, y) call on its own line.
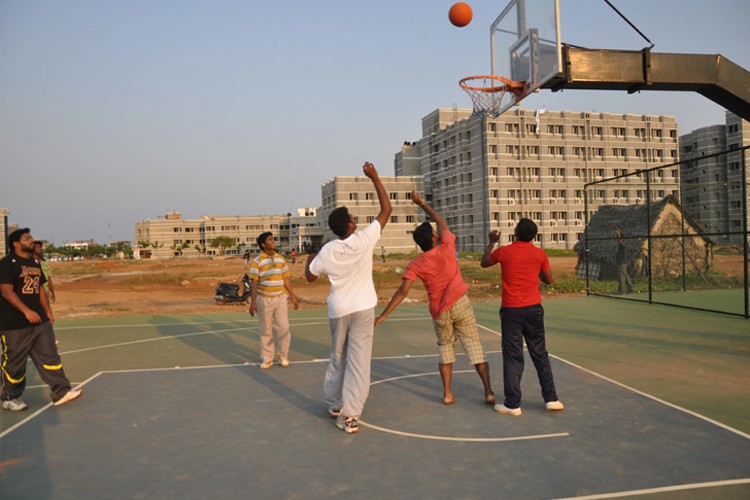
point(347, 380)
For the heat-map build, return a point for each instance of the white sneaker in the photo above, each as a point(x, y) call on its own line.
point(266, 365)
point(284, 362)
point(554, 406)
point(14, 404)
point(504, 410)
point(69, 396)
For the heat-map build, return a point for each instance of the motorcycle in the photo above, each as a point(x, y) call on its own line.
point(230, 292)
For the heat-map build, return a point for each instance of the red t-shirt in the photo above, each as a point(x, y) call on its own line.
point(521, 264)
point(438, 270)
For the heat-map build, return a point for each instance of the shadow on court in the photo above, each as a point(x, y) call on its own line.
point(236, 431)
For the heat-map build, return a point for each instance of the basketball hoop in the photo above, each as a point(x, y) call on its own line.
point(488, 99)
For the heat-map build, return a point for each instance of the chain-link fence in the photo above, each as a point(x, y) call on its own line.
point(675, 234)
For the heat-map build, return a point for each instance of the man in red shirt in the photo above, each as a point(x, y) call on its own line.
point(522, 315)
point(451, 311)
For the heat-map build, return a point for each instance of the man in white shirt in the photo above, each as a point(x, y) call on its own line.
point(347, 261)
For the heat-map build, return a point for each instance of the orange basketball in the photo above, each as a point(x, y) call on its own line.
point(460, 14)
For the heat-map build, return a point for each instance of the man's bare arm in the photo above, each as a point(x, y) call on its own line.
point(441, 225)
point(494, 237)
point(397, 298)
point(310, 276)
point(385, 204)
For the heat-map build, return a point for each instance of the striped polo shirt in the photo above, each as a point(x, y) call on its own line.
point(270, 272)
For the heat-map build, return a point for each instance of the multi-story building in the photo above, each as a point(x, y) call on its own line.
point(359, 196)
point(173, 236)
point(4, 231)
point(484, 173)
point(713, 185)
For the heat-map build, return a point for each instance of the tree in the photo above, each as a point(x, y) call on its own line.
point(222, 243)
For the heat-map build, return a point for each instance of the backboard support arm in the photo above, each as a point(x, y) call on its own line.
point(711, 75)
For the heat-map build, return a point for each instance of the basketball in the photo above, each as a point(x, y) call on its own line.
point(460, 14)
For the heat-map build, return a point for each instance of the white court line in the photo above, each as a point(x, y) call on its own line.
point(43, 408)
point(463, 439)
point(171, 337)
point(252, 320)
point(653, 398)
point(664, 489)
point(445, 438)
point(153, 339)
point(144, 325)
point(490, 330)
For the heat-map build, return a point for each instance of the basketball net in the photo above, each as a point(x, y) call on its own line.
point(488, 98)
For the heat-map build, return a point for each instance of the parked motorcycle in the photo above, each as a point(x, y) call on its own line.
point(231, 292)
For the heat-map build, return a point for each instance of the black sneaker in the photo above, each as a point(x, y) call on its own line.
point(350, 425)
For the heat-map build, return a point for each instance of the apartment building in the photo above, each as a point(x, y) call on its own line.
point(4, 230)
point(483, 173)
point(359, 196)
point(713, 185)
point(173, 236)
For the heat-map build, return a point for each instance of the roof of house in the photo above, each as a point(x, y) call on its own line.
point(633, 221)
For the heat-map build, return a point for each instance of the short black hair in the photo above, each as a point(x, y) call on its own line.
point(423, 236)
point(15, 236)
point(261, 239)
point(338, 221)
point(526, 230)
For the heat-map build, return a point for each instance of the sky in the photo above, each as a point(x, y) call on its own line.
point(115, 111)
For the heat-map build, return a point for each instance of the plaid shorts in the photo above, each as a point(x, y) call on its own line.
point(458, 323)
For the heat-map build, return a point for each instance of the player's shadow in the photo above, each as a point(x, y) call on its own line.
point(236, 343)
point(226, 341)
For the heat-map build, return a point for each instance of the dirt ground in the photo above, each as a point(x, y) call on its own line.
point(186, 286)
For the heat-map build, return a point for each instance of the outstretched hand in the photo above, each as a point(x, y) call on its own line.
point(370, 171)
point(416, 198)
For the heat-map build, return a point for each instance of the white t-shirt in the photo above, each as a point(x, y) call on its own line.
point(348, 265)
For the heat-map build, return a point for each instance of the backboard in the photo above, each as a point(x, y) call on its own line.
point(525, 45)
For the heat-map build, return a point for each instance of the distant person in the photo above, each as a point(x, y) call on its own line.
point(26, 321)
point(522, 315)
point(351, 306)
point(246, 257)
point(451, 311)
point(270, 278)
point(625, 285)
point(49, 286)
point(294, 255)
point(382, 254)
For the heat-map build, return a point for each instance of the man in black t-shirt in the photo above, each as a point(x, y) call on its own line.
point(26, 321)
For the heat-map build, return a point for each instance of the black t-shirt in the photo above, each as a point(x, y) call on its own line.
point(27, 278)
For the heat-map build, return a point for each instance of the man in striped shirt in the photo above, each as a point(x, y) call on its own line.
point(270, 278)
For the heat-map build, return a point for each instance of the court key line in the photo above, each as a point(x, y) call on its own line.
point(664, 489)
point(644, 394)
point(446, 438)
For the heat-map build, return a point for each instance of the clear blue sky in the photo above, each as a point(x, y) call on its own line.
point(117, 111)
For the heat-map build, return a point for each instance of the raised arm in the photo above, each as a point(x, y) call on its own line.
point(494, 237)
point(397, 298)
point(385, 203)
point(441, 225)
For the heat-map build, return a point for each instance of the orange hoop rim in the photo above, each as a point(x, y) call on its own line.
point(513, 86)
